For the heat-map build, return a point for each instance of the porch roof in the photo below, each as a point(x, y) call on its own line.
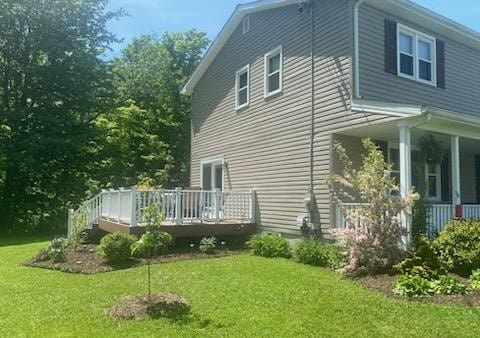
point(428, 118)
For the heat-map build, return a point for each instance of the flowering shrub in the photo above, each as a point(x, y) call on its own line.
point(374, 233)
point(56, 249)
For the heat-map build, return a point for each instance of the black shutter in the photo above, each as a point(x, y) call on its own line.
point(440, 64)
point(391, 47)
point(477, 177)
point(445, 179)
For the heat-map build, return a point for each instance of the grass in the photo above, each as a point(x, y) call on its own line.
point(236, 296)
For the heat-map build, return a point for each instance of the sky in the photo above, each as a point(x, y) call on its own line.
point(209, 16)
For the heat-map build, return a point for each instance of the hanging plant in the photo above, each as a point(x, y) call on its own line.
point(430, 150)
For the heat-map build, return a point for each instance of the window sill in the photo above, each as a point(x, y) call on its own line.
point(242, 107)
point(273, 94)
point(411, 78)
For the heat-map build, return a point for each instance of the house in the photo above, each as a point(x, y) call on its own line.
point(285, 79)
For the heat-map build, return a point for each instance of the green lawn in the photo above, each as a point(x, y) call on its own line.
point(241, 296)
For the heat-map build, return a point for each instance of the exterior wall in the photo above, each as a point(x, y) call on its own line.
point(462, 75)
point(266, 146)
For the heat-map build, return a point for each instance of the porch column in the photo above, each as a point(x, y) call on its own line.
point(456, 187)
point(405, 175)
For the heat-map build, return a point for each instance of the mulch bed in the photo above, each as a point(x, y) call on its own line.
point(85, 260)
point(161, 305)
point(383, 283)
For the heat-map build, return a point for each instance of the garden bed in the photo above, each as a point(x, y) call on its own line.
point(85, 260)
point(384, 283)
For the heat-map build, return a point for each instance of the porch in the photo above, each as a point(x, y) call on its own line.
point(448, 178)
point(188, 212)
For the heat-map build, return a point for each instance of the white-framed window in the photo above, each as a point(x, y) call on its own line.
point(273, 72)
point(212, 174)
point(246, 24)
point(433, 182)
point(416, 55)
point(242, 87)
point(433, 177)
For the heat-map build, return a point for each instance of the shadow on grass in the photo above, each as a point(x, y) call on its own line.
point(12, 240)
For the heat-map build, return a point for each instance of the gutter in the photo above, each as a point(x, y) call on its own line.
point(356, 57)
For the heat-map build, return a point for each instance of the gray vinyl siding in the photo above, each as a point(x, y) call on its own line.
point(266, 146)
point(462, 74)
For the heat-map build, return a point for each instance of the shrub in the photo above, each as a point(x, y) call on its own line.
point(115, 247)
point(270, 246)
point(374, 233)
point(475, 279)
point(316, 253)
point(151, 244)
point(56, 249)
point(447, 285)
point(412, 286)
point(208, 245)
point(423, 261)
point(459, 246)
point(42, 256)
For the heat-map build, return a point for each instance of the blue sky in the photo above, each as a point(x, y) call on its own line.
point(158, 16)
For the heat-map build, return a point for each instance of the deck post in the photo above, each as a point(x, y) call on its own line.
point(405, 176)
point(217, 206)
point(110, 203)
point(133, 207)
point(119, 210)
point(456, 186)
point(70, 222)
point(178, 205)
point(252, 205)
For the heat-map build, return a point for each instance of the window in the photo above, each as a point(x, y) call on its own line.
point(394, 160)
point(273, 72)
point(416, 55)
point(433, 182)
point(242, 86)
point(212, 174)
point(246, 25)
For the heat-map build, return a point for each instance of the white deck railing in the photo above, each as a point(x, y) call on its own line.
point(127, 206)
point(439, 214)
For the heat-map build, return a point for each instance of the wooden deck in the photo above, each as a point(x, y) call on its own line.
point(197, 229)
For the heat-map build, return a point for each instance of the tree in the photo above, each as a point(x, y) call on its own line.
point(150, 74)
point(52, 85)
point(374, 233)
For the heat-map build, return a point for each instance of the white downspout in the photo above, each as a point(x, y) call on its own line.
point(356, 57)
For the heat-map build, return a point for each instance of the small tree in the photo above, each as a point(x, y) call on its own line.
point(374, 232)
point(152, 240)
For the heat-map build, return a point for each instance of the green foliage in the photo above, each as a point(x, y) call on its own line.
point(268, 245)
point(56, 249)
point(412, 286)
point(475, 279)
point(115, 247)
point(78, 236)
point(53, 83)
point(153, 216)
point(447, 285)
point(459, 246)
point(151, 244)
point(313, 252)
point(420, 215)
point(375, 245)
point(208, 245)
point(423, 261)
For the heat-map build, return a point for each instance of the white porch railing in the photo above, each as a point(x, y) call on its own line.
point(439, 214)
point(127, 206)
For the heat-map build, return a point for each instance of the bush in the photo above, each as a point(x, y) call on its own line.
point(115, 247)
point(56, 249)
point(270, 246)
point(151, 244)
point(316, 253)
point(446, 285)
point(422, 261)
point(475, 279)
point(412, 286)
point(208, 245)
point(42, 256)
point(459, 246)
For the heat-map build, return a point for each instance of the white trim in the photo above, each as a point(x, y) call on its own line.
point(386, 108)
point(266, 72)
point(455, 158)
point(238, 74)
point(214, 161)
point(416, 37)
point(405, 8)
